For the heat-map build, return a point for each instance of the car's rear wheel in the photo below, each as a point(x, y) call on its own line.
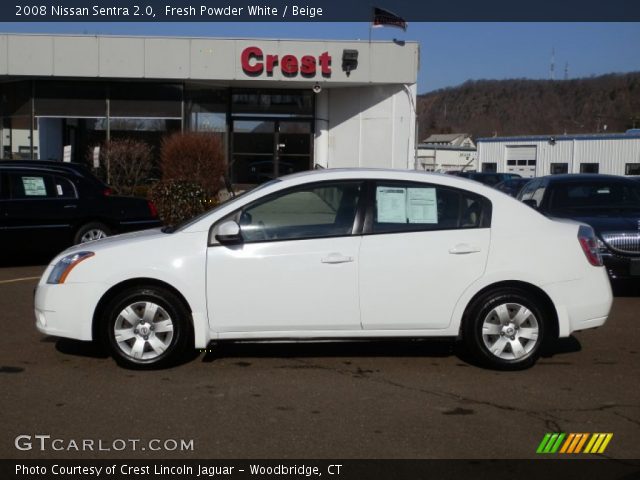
point(505, 329)
point(148, 327)
point(91, 231)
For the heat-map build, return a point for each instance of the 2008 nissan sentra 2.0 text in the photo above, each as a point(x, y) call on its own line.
point(336, 254)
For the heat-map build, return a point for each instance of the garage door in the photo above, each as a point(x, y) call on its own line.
point(521, 159)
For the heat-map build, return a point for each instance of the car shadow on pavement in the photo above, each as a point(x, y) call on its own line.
point(434, 348)
point(381, 348)
point(77, 348)
point(431, 348)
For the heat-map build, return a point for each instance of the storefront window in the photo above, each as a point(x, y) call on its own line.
point(272, 102)
point(146, 100)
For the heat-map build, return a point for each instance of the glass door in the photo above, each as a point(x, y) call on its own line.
point(263, 149)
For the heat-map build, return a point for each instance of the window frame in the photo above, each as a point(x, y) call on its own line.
point(485, 220)
point(356, 228)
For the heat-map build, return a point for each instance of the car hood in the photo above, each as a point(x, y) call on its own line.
point(116, 241)
point(601, 223)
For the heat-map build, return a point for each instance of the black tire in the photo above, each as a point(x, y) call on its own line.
point(482, 313)
point(89, 227)
point(169, 307)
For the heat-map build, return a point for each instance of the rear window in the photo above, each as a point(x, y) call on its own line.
point(595, 195)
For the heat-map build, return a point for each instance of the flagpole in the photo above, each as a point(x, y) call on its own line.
point(370, 21)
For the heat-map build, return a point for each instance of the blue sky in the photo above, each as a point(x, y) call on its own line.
point(451, 53)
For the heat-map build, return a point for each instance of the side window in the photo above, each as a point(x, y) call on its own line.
point(63, 188)
point(312, 211)
point(538, 194)
point(528, 190)
point(30, 186)
point(402, 207)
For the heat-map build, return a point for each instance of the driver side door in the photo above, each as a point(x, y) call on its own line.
point(296, 268)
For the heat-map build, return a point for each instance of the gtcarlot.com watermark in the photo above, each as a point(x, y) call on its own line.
point(48, 443)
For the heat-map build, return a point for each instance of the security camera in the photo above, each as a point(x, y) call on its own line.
point(317, 88)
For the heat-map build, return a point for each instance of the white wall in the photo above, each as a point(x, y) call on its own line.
point(611, 154)
point(441, 160)
point(371, 126)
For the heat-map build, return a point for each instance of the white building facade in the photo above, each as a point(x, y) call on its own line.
point(535, 156)
point(282, 106)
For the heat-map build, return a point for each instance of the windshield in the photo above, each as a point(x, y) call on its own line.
point(197, 218)
point(595, 195)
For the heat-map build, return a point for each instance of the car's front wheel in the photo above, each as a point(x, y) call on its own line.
point(505, 329)
point(147, 327)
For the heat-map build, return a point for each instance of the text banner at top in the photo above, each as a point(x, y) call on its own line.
point(317, 11)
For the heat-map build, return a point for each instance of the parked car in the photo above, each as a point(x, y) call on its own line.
point(335, 254)
point(512, 186)
point(47, 206)
point(609, 203)
point(488, 178)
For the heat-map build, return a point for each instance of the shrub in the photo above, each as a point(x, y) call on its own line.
point(178, 200)
point(124, 163)
point(196, 157)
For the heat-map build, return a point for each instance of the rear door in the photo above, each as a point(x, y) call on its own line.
point(41, 208)
point(424, 245)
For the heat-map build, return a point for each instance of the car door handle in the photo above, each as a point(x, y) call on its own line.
point(463, 249)
point(70, 206)
point(337, 258)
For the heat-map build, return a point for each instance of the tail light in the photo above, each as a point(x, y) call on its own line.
point(589, 243)
point(152, 209)
point(107, 191)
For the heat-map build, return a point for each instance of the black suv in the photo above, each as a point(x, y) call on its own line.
point(47, 206)
point(610, 204)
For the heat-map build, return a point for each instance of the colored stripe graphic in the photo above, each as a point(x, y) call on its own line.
point(574, 443)
point(543, 443)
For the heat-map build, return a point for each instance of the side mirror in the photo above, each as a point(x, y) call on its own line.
point(531, 202)
point(228, 233)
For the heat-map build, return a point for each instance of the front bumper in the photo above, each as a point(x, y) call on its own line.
point(66, 310)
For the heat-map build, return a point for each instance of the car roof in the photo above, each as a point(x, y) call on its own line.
point(76, 169)
point(577, 177)
point(42, 163)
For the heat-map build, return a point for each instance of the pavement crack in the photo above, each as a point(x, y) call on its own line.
point(550, 420)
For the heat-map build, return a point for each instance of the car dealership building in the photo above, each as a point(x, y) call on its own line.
point(282, 105)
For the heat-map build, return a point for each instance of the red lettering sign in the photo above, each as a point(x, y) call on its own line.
point(248, 55)
point(254, 62)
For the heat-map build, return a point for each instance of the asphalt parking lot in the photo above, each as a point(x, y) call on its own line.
point(319, 400)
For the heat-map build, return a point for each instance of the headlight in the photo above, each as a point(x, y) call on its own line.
point(65, 265)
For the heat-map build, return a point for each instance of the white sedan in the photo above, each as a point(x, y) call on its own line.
point(336, 254)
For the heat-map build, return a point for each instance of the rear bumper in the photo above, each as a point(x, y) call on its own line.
point(583, 303)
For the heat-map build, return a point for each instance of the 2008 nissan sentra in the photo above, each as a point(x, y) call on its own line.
point(336, 254)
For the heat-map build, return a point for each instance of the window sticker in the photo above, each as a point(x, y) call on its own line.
point(422, 205)
point(59, 189)
point(34, 187)
point(392, 205)
point(406, 205)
